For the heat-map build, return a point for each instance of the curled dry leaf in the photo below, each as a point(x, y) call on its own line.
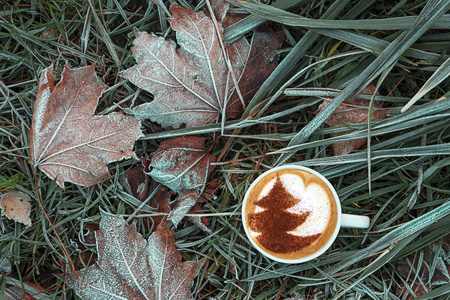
point(131, 268)
point(85, 240)
point(192, 84)
point(352, 111)
point(16, 206)
point(164, 200)
point(138, 181)
point(201, 222)
point(183, 165)
point(67, 141)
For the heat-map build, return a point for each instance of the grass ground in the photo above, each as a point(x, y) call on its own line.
point(404, 188)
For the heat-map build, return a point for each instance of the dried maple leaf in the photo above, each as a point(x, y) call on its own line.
point(16, 206)
point(131, 268)
point(163, 202)
point(352, 111)
point(67, 141)
point(182, 164)
point(192, 84)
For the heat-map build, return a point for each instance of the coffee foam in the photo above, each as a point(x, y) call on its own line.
point(314, 200)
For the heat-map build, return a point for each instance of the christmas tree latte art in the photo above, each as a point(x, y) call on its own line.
point(291, 213)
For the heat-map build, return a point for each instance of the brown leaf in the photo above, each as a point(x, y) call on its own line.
point(188, 83)
point(131, 268)
point(164, 200)
point(191, 84)
point(85, 239)
point(419, 289)
point(16, 206)
point(416, 268)
point(352, 111)
point(182, 163)
point(260, 63)
point(67, 141)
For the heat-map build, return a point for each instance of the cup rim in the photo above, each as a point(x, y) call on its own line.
point(318, 252)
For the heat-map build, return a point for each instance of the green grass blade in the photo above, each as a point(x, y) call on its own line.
point(384, 258)
point(438, 76)
point(436, 292)
point(106, 38)
point(440, 149)
point(375, 45)
point(236, 30)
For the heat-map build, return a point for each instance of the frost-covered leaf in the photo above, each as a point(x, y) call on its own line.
point(352, 111)
point(16, 206)
point(131, 268)
point(182, 163)
point(192, 84)
point(188, 83)
point(67, 141)
point(164, 201)
point(183, 204)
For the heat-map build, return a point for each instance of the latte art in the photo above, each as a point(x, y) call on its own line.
point(291, 213)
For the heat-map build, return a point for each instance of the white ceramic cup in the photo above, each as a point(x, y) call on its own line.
point(343, 220)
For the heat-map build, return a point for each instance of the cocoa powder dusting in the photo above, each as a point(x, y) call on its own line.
point(274, 223)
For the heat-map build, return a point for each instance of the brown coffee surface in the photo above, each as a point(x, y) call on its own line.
point(273, 221)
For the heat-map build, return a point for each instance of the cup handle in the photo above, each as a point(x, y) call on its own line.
point(353, 221)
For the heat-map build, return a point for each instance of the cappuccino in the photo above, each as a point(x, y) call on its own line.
point(291, 213)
